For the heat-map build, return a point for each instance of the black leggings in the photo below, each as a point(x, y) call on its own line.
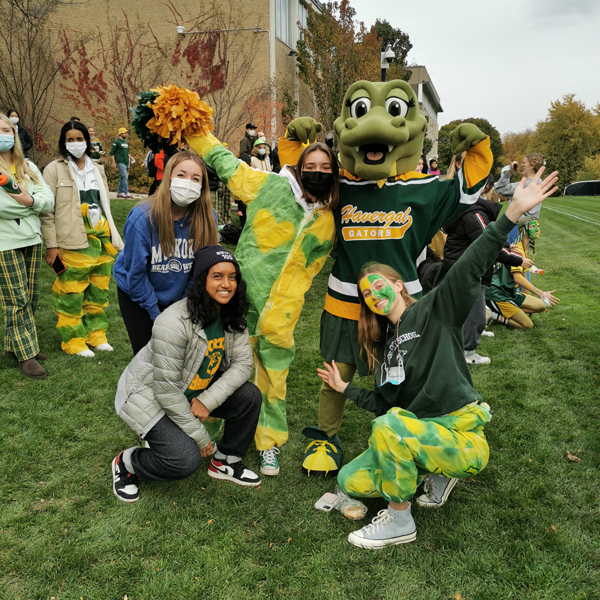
point(137, 320)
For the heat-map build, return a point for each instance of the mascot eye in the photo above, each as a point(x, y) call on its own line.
point(397, 107)
point(360, 107)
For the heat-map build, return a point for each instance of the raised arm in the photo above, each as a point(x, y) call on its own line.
point(244, 182)
point(457, 293)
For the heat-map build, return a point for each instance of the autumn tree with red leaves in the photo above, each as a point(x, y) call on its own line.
point(28, 51)
point(106, 74)
point(219, 62)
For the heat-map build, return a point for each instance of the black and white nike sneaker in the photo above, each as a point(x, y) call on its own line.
point(236, 472)
point(125, 484)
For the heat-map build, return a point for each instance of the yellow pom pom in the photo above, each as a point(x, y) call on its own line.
point(177, 112)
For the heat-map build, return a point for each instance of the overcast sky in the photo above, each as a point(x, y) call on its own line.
point(503, 61)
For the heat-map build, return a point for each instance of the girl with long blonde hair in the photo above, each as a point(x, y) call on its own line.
point(429, 417)
point(161, 236)
point(20, 250)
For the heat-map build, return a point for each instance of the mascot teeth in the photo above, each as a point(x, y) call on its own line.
point(390, 149)
point(357, 148)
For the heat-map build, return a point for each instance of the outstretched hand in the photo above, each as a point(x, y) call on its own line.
point(331, 376)
point(525, 198)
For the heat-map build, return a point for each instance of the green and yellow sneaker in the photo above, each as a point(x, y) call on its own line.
point(323, 456)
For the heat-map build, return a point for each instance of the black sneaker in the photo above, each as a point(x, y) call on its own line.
point(125, 484)
point(236, 472)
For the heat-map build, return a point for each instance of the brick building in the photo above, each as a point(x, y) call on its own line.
point(236, 53)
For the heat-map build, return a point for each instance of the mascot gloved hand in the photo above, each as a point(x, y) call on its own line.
point(464, 137)
point(386, 212)
point(284, 244)
point(303, 129)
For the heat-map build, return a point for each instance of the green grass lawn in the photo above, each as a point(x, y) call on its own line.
point(527, 527)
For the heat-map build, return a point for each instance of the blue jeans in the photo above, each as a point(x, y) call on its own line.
point(123, 188)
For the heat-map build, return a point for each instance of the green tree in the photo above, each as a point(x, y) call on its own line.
point(445, 150)
point(401, 46)
point(568, 136)
point(336, 51)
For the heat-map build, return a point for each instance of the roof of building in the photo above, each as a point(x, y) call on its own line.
point(421, 75)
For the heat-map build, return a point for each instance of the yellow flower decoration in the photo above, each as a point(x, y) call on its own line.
point(179, 111)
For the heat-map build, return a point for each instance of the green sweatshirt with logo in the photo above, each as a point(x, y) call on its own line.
point(430, 339)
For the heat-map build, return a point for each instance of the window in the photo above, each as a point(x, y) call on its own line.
point(302, 17)
point(282, 20)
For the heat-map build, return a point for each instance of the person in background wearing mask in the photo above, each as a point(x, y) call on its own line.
point(97, 150)
point(280, 252)
point(21, 251)
point(161, 234)
point(81, 231)
point(247, 143)
point(24, 137)
point(119, 154)
point(260, 157)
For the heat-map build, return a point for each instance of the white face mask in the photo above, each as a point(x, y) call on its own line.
point(77, 149)
point(262, 151)
point(251, 132)
point(14, 120)
point(184, 191)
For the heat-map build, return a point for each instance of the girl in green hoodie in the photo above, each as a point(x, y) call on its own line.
point(429, 417)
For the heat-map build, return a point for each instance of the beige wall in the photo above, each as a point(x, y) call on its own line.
point(96, 15)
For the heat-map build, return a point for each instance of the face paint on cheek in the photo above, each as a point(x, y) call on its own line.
point(377, 295)
point(534, 230)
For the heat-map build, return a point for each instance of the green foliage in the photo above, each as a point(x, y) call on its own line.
point(514, 146)
point(590, 170)
point(525, 529)
point(427, 145)
point(289, 105)
point(568, 136)
point(445, 149)
point(336, 51)
point(401, 45)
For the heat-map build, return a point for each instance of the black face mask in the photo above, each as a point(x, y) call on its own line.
point(317, 183)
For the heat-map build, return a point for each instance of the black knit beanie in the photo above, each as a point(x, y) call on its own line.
point(208, 256)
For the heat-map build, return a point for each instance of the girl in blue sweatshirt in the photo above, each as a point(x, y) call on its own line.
point(430, 419)
point(161, 234)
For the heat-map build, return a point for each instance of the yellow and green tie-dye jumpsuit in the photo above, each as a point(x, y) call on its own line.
point(80, 294)
point(283, 246)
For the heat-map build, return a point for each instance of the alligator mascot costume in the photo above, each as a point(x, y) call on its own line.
point(386, 212)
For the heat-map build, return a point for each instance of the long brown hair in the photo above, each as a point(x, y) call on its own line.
point(371, 326)
point(332, 201)
point(203, 230)
point(22, 169)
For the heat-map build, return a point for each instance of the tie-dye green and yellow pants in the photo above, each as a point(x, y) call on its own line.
point(80, 294)
point(403, 449)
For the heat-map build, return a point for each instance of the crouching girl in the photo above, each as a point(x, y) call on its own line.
point(196, 364)
point(429, 419)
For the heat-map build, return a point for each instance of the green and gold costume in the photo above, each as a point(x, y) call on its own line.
point(284, 244)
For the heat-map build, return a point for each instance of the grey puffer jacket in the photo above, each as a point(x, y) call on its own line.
point(154, 382)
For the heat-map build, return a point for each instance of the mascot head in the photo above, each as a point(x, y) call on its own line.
point(381, 129)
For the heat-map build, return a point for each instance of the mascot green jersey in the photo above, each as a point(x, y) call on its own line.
point(386, 213)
